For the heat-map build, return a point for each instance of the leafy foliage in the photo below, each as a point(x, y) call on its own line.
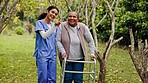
point(19, 30)
point(134, 16)
point(130, 14)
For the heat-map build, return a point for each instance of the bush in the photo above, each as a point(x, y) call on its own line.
point(19, 30)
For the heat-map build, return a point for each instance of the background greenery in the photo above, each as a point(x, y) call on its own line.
point(17, 64)
point(129, 14)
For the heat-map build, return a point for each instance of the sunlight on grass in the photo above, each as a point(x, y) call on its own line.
point(17, 64)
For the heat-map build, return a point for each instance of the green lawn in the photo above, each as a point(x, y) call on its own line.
point(17, 64)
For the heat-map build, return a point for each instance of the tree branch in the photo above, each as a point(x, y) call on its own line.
point(67, 4)
point(105, 15)
point(116, 6)
point(4, 6)
point(117, 40)
point(101, 20)
point(110, 9)
point(146, 46)
point(132, 41)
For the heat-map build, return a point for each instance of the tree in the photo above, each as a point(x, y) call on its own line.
point(7, 12)
point(140, 60)
point(111, 42)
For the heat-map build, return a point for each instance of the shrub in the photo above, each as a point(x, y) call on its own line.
point(19, 30)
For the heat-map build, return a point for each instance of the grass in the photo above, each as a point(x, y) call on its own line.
point(17, 64)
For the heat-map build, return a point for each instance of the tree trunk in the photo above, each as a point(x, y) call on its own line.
point(102, 72)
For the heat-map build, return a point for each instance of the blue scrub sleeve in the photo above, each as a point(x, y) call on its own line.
point(39, 26)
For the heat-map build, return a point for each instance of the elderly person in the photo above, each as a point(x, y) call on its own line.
point(71, 37)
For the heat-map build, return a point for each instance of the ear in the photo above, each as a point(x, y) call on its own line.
point(78, 18)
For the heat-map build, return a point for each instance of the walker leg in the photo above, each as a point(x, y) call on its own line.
point(63, 70)
point(94, 71)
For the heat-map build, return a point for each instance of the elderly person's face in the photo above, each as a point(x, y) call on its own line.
point(73, 19)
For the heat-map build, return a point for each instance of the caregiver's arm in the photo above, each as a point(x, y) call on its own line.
point(48, 32)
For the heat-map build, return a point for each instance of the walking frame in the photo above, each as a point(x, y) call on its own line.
point(91, 73)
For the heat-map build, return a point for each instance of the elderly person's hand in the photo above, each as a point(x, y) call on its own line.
point(93, 57)
point(64, 55)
